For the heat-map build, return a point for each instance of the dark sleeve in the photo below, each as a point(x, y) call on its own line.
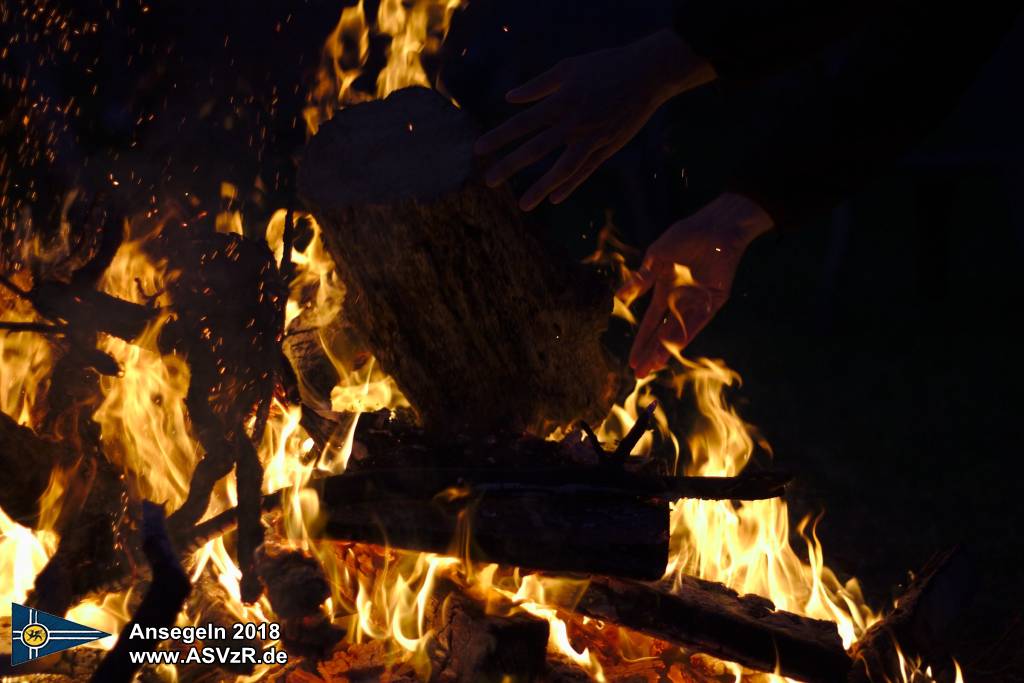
point(812, 136)
point(748, 39)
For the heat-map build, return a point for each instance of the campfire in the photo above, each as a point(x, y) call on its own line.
point(403, 451)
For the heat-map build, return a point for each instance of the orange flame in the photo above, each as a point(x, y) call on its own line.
point(413, 28)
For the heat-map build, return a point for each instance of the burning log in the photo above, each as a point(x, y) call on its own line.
point(78, 302)
point(92, 555)
point(919, 623)
point(448, 283)
point(296, 587)
point(584, 519)
point(471, 646)
point(465, 645)
point(710, 618)
point(385, 444)
point(304, 349)
point(366, 506)
point(623, 535)
point(525, 501)
point(371, 661)
point(159, 608)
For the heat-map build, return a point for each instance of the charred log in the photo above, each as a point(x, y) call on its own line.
point(471, 646)
point(79, 304)
point(619, 535)
point(920, 623)
point(94, 552)
point(27, 461)
point(710, 618)
point(425, 483)
point(448, 284)
point(304, 347)
point(296, 587)
point(385, 443)
point(526, 501)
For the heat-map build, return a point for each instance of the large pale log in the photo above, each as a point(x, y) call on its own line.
point(448, 283)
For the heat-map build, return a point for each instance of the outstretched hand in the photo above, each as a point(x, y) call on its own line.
point(591, 106)
point(691, 268)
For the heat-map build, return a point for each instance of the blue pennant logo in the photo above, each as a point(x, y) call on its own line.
point(35, 634)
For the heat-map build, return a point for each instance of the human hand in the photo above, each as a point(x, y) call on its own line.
point(691, 268)
point(591, 105)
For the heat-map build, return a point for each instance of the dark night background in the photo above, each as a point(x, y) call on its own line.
point(879, 348)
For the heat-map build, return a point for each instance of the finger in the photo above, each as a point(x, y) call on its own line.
point(689, 312)
point(695, 307)
point(523, 123)
point(567, 164)
point(656, 357)
point(536, 88)
point(654, 318)
point(585, 170)
point(668, 340)
point(534, 150)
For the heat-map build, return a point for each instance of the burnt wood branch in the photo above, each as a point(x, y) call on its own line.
point(526, 501)
point(622, 535)
point(390, 456)
point(93, 508)
point(387, 440)
point(95, 551)
point(89, 558)
point(232, 344)
point(635, 433)
point(37, 328)
point(564, 520)
point(163, 601)
point(448, 282)
point(303, 346)
point(710, 618)
point(86, 308)
point(327, 429)
point(425, 483)
point(27, 461)
point(470, 646)
point(922, 621)
point(296, 586)
point(220, 524)
point(111, 236)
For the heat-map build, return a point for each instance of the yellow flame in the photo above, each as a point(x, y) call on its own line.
point(26, 361)
point(23, 554)
point(413, 29)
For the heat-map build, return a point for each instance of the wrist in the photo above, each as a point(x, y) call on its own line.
point(674, 65)
point(741, 219)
